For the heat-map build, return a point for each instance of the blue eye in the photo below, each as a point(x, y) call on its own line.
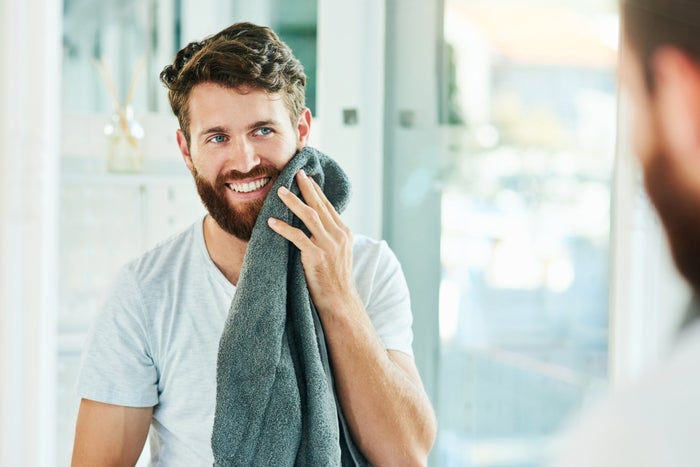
point(263, 131)
point(218, 139)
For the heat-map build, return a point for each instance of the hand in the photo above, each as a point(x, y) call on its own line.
point(327, 255)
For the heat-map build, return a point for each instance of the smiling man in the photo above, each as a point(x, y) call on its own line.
point(158, 357)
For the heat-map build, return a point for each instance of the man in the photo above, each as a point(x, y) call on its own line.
point(151, 355)
point(656, 422)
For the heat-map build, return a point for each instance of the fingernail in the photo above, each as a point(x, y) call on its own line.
point(283, 190)
point(303, 174)
point(271, 221)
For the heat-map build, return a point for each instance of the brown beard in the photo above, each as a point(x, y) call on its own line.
point(679, 210)
point(236, 220)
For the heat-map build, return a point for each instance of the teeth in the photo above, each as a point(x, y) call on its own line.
point(248, 187)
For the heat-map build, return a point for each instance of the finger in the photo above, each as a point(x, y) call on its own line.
point(329, 206)
point(294, 235)
point(314, 198)
point(309, 216)
point(337, 222)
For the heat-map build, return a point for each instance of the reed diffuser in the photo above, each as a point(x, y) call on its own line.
point(124, 133)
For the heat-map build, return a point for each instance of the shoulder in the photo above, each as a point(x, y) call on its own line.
point(674, 381)
point(160, 261)
point(369, 252)
point(649, 423)
point(362, 243)
point(382, 287)
point(376, 267)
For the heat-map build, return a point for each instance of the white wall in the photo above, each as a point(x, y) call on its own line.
point(29, 121)
point(202, 18)
point(412, 222)
point(351, 76)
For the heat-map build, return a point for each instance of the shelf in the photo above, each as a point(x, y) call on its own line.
point(92, 171)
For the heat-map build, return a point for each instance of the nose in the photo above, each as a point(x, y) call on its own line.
point(243, 156)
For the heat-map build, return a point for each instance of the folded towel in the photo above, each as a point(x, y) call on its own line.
point(275, 401)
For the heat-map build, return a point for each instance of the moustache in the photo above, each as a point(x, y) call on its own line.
point(235, 175)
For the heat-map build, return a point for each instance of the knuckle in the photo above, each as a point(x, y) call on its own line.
point(299, 236)
point(314, 218)
point(346, 237)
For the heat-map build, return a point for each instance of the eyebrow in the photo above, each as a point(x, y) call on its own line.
point(252, 126)
point(262, 123)
point(214, 129)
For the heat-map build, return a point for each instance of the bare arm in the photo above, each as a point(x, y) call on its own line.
point(382, 396)
point(109, 435)
point(381, 392)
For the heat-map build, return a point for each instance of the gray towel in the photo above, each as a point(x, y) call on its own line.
point(275, 401)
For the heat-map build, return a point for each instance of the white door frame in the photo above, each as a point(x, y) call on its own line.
point(29, 129)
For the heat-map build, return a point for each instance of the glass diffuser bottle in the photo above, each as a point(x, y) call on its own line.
point(124, 135)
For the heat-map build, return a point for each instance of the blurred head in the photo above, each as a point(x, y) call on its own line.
point(651, 24)
point(660, 70)
point(242, 55)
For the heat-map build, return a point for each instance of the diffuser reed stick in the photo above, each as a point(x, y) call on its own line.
point(124, 132)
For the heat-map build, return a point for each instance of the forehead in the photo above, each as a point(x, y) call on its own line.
point(210, 101)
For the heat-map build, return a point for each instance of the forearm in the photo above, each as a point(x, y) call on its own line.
point(389, 414)
point(382, 397)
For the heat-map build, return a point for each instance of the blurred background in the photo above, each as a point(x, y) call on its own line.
point(486, 141)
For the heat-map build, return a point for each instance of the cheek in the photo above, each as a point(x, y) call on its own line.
point(280, 152)
point(207, 163)
point(203, 171)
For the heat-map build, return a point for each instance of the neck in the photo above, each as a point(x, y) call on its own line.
point(225, 250)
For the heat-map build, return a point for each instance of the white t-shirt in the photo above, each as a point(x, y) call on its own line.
point(654, 423)
point(155, 342)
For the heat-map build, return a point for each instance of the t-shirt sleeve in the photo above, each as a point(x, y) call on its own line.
point(117, 366)
point(387, 299)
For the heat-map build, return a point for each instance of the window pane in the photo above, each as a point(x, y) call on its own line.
point(135, 39)
point(530, 121)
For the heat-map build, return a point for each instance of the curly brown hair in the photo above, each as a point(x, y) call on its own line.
point(243, 54)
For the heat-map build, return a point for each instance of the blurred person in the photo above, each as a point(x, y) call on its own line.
point(155, 356)
point(655, 422)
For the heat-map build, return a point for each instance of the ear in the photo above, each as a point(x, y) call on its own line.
point(184, 149)
point(676, 99)
point(303, 128)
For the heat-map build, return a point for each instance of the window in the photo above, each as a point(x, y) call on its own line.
point(529, 120)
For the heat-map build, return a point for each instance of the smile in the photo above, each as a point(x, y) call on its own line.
point(250, 186)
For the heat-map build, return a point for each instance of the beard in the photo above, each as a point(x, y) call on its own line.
point(238, 221)
point(678, 207)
